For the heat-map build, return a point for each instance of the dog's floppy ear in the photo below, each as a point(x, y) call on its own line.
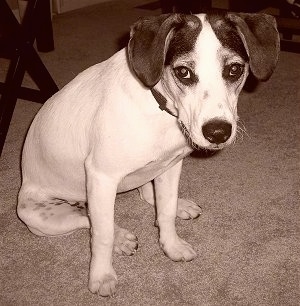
point(261, 39)
point(148, 45)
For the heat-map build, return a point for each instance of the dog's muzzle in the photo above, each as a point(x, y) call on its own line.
point(217, 131)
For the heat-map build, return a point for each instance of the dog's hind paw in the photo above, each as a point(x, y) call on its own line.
point(125, 243)
point(188, 210)
point(178, 250)
point(106, 286)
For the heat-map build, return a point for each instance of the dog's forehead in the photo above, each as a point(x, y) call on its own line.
point(213, 31)
point(227, 34)
point(207, 43)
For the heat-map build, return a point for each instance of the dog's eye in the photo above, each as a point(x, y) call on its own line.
point(236, 70)
point(185, 75)
point(233, 71)
point(183, 72)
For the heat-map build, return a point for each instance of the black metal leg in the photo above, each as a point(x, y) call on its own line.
point(9, 95)
point(16, 44)
point(39, 73)
point(167, 6)
point(43, 28)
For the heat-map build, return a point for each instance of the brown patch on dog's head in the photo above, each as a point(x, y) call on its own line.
point(155, 38)
point(261, 40)
point(157, 41)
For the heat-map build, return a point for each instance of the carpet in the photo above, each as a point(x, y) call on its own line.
point(247, 239)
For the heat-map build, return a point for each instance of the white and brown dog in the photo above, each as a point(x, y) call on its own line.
point(105, 132)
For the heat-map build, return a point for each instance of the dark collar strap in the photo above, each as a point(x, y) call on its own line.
point(161, 100)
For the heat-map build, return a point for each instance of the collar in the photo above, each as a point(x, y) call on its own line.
point(161, 100)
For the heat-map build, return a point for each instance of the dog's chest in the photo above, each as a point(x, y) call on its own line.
point(154, 166)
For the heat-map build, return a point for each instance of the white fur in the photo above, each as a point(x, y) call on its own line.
point(104, 133)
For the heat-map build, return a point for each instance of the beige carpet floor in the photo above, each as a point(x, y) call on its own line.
point(247, 238)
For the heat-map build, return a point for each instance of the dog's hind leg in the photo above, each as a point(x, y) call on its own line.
point(53, 217)
point(45, 216)
point(186, 209)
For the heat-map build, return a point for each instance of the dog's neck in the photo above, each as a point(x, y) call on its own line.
point(161, 100)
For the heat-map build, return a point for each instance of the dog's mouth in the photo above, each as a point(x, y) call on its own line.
point(195, 146)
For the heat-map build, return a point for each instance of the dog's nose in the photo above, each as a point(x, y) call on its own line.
point(217, 131)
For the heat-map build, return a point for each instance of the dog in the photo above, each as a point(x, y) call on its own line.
point(128, 123)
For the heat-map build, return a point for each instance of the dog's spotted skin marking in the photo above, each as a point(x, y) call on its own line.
point(40, 205)
point(54, 211)
point(22, 205)
point(44, 216)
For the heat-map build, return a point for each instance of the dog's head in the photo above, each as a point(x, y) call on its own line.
point(199, 64)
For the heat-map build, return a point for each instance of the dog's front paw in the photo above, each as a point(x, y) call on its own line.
point(125, 243)
point(104, 285)
point(187, 209)
point(178, 250)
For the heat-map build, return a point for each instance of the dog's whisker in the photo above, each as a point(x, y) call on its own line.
point(239, 137)
point(241, 131)
point(241, 125)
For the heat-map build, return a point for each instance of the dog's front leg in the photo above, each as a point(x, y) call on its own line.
point(101, 191)
point(166, 191)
